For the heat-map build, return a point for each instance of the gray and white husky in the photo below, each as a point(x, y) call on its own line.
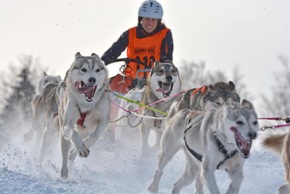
point(163, 82)
point(44, 107)
point(217, 139)
point(84, 111)
point(206, 98)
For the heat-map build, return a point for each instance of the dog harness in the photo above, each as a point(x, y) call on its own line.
point(220, 146)
point(203, 89)
point(82, 118)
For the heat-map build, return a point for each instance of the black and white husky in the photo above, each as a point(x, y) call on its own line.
point(162, 83)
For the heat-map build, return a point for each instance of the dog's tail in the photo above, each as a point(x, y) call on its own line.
point(274, 142)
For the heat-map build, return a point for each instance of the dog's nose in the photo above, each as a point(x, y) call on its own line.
point(252, 134)
point(92, 80)
point(168, 78)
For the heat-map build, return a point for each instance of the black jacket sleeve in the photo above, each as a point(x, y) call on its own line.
point(116, 49)
point(167, 48)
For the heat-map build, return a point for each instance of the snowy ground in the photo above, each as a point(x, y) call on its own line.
point(102, 173)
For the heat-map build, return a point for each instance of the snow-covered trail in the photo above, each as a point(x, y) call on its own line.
point(102, 173)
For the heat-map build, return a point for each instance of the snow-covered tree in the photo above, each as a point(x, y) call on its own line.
point(278, 103)
point(195, 75)
point(17, 90)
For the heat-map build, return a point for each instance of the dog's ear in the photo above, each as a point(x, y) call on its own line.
point(247, 104)
point(77, 55)
point(95, 56)
point(232, 85)
point(44, 73)
point(156, 63)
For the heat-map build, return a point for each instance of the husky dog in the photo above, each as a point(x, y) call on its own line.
point(162, 82)
point(127, 133)
point(84, 111)
point(45, 80)
point(280, 144)
point(44, 107)
point(217, 139)
point(212, 96)
point(206, 98)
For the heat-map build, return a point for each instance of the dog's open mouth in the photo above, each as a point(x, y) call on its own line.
point(243, 144)
point(165, 88)
point(87, 90)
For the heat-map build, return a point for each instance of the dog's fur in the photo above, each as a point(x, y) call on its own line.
point(162, 82)
point(46, 80)
point(44, 105)
point(210, 135)
point(84, 111)
point(127, 133)
point(206, 99)
point(280, 144)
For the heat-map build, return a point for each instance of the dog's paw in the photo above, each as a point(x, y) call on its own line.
point(64, 172)
point(84, 152)
point(153, 188)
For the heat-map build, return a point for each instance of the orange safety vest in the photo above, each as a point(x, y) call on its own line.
point(147, 50)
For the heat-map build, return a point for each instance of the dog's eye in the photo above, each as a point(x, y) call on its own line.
point(160, 72)
point(255, 122)
point(98, 70)
point(84, 70)
point(239, 122)
point(218, 103)
point(173, 71)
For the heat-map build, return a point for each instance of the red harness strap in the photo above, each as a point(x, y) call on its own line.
point(81, 120)
point(202, 89)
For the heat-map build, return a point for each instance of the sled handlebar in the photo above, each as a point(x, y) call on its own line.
point(127, 60)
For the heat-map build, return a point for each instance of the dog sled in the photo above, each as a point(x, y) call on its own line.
point(122, 83)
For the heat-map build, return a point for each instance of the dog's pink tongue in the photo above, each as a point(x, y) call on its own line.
point(83, 89)
point(164, 89)
point(245, 145)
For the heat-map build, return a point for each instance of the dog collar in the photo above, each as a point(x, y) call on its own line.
point(82, 118)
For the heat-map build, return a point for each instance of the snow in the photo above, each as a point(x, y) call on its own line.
point(102, 173)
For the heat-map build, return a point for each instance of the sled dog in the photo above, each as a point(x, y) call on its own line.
point(127, 133)
point(162, 82)
point(280, 144)
point(206, 98)
point(84, 111)
point(212, 96)
point(217, 139)
point(39, 101)
point(44, 107)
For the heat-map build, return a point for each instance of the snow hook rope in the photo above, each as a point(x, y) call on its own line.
point(287, 120)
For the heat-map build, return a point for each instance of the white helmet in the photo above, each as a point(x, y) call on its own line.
point(151, 9)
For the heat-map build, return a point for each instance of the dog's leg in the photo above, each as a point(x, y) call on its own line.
point(168, 150)
point(92, 139)
point(144, 142)
point(65, 146)
point(286, 161)
point(47, 138)
point(283, 189)
point(237, 176)
point(190, 173)
point(157, 140)
point(208, 176)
